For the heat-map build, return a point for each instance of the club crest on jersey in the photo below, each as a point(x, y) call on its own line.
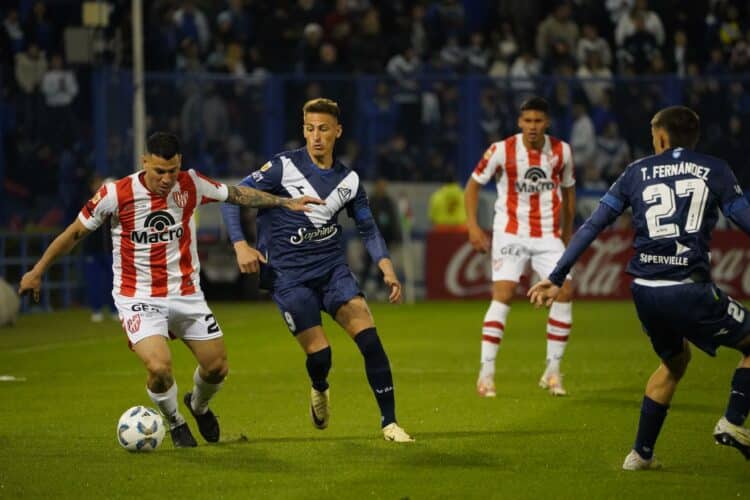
point(157, 229)
point(314, 234)
point(180, 198)
point(534, 181)
point(344, 194)
point(133, 324)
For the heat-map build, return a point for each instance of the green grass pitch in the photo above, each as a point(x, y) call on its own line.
point(57, 429)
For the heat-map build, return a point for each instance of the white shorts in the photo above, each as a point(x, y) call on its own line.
point(186, 318)
point(511, 254)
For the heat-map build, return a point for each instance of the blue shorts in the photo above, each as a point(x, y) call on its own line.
point(698, 312)
point(300, 305)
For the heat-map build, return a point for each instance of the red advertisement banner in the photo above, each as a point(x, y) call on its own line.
point(454, 270)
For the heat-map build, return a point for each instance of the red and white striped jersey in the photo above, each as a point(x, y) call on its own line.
point(528, 184)
point(153, 237)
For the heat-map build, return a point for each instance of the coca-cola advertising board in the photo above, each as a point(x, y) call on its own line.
point(455, 271)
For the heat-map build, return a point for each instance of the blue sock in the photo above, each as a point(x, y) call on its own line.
point(378, 373)
point(652, 418)
point(739, 399)
point(318, 364)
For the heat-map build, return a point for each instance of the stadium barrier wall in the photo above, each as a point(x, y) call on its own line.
point(454, 270)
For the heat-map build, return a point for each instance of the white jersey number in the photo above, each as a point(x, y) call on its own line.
point(662, 199)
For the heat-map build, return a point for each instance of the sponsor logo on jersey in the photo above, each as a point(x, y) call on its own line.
point(314, 234)
point(257, 176)
point(180, 198)
point(534, 181)
point(144, 307)
point(670, 260)
point(157, 230)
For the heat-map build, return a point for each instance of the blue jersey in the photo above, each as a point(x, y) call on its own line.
point(303, 246)
point(675, 197)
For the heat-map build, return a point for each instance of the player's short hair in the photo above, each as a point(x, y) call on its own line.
point(682, 125)
point(535, 104)
point(163, 145)
point(322, 105)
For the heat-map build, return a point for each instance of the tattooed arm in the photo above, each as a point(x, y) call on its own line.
point(255, 198)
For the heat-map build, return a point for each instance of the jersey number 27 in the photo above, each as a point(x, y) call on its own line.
point(661, 197)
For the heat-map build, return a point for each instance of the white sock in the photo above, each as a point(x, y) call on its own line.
point(492, 335)
point(167, 404)
point(558, 328)
point(202, 392)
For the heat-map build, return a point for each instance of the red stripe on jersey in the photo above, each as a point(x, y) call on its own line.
point(158, 260)
point(558, 324)
point(126, 208)
point(207, 179)
point(187, 287)
point(559, 338)
point(494, 324)
point(485, 159)
point(206, 199)
point(490, 339)
point(535, 213)
point(557, 152)
point(512, 170)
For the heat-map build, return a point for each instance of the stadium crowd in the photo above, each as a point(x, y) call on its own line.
point(605, 67)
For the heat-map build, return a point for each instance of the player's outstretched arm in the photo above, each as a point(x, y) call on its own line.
point(477, 236)
point(545, 292)
point(63, 244)
point(255, 198)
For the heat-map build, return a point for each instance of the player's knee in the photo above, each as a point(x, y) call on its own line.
point(160, 371)
point(677, 365)
point(217, 370)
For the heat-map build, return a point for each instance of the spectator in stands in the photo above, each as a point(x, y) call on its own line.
point(338, 25)
point(385, 215)
point(596, 78)
point(739, 60)
point(592, 42)
point(191, 23)
point(13, 31)
point(308, 50)
point(716, 65)
point(477, 54)
point(730, 28)
point(59, 87)
point(612, 153)
point(40, 30)
point(396, 161)
point(681, 54)
point(418, 38)
point(405, 69)
point(444, 19)
point(505, 50)
point(629, 24)
point(639, 47)
point(446, 206)
point(30, 68)
point(524, 70)
point(733, 149)
point(582, 135)
point(367, 48)
point(557, 35)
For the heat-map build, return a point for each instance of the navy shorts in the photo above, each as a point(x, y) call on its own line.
point(300, 305)
point(698, 312)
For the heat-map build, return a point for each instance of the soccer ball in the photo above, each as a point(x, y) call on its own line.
point(140, 429)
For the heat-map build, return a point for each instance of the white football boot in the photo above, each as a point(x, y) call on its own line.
point(729, 434)
point(320, 411)
point(636, 462)
point(392, 432)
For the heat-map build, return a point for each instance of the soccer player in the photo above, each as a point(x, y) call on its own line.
point(674, 195)
point(535, 190)
point(302, 261)
point(156, 273)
